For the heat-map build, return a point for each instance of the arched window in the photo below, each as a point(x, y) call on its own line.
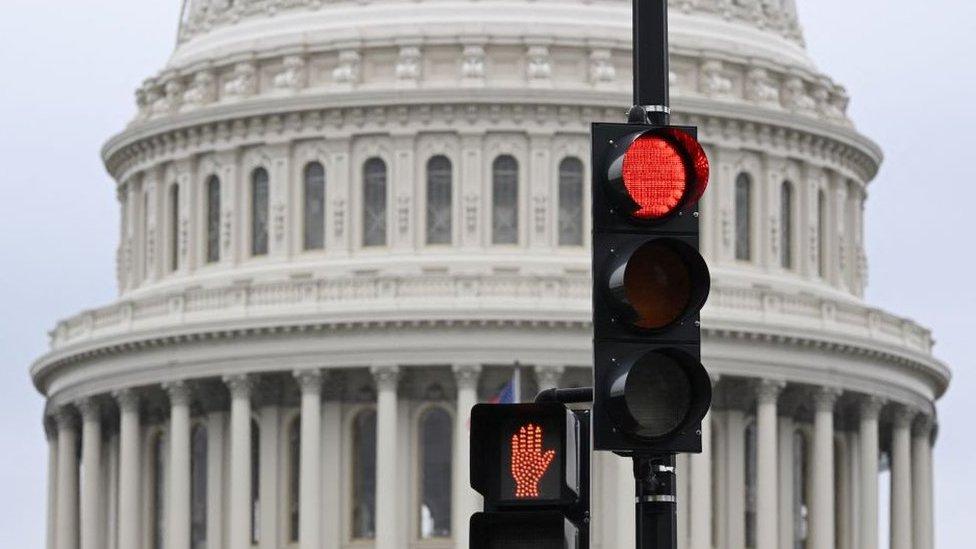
point(786, 225)
point(751, 481)
point(174, 227)
point(364, 475)
point(436, 449)
point(294, 476)
point(314, 206)
point(255, 481)
point(198, 488)
point(374, 202)
point(504, 200)
point(743, 217)
point(821, 233)
point(157, 492)
point(800, 500)
point(571, 202)
point(213, 219)
point(259, 212)
point(439, 200)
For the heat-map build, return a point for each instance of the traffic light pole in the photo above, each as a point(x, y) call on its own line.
point(652, 99)
point(656, 504)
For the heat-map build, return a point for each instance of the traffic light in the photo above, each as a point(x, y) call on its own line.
point(649, 284)
point(530, 462)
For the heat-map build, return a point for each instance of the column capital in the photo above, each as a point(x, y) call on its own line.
point(50, 427)
point(467, 375)
point(128, 400)
point(310, 381)
point(714, 378)
point(924, 423)
point(902, 416)
point(549, 375)
point(870, 406)
point(89, 408)
point(826, 397)
point(239, 385)
point(179, 393)
point(66, 418)
point(768, 390)
point(386, 376)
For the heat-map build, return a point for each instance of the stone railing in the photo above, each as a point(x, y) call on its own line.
point(447, 297)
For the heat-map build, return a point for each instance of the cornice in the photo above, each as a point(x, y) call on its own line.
point(921, 365)
point(195, 316)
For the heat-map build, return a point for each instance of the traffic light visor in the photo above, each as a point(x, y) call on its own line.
point(659, 283)
point(654, 173)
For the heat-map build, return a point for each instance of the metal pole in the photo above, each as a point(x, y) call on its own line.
point(656, 502)
point(652, 99)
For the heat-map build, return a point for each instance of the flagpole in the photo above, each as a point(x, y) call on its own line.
point(517, 384)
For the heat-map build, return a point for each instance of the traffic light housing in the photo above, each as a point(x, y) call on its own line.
point(530, 462)
point(649, 284)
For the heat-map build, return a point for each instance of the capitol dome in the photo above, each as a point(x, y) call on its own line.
point(345, 222)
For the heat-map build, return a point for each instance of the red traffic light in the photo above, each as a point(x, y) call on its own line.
point(653, 173)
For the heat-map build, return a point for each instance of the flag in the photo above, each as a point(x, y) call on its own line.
point(511, 392)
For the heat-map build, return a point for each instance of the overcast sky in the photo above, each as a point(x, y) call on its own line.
point(67, 74)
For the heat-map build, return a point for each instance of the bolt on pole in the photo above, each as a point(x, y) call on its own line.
point(652, 98)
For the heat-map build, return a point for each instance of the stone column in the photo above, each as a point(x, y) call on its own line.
point(682, 496)
point(270, 441)
point(869, 472)
point(626, 496)
point(129, 479)
point(766, 470)
point(111, 496)
point(332, 495)
point(700, 504)
point(178, 498)
point(310, 466)
point(736, 478)
point(91, 462)
point(548, 377)
point(921, 483)
point(822, 471)
point(216, 477)
point(386, 456)
point(844, 514)
point(465, 500)
point(67, 480)
point(720, 470)
point(901, 479)
point(854, 466)
point(239, 503)
point(785, 433)
point(52, 485)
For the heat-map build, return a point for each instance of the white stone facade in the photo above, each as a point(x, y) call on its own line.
point(345, 222)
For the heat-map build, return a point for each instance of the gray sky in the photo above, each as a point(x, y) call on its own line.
point(70, 68)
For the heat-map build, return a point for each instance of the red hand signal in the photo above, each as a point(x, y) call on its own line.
point(529, 462)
